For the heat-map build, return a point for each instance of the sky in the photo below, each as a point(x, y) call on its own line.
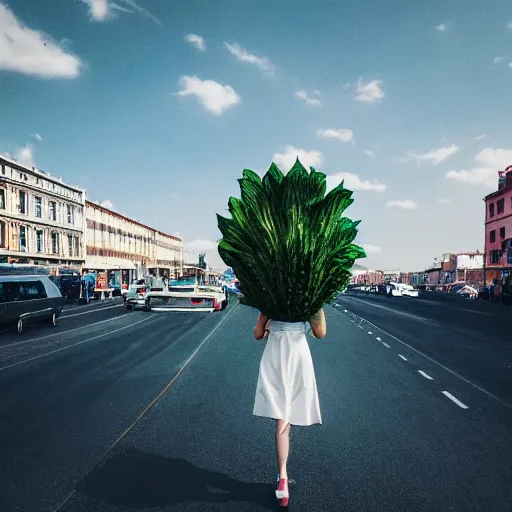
point(156, 107)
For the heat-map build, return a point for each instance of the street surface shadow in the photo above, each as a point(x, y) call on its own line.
point(142, 480)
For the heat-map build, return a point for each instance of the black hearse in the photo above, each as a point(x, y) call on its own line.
point(28, 295)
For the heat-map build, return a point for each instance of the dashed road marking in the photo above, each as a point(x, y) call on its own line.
point(379, 338)
point(403, 357)
point(369, 332)
point(385, 344)
point(456, 400)
point(421, 372)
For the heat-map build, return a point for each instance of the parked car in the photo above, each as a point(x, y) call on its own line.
point(28, 295)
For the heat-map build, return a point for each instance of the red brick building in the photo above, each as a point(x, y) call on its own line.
point(498, 228)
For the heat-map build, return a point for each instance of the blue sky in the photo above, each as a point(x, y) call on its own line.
point(409, 101)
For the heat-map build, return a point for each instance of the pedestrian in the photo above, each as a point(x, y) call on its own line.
point(286, 390)
point(292, 255)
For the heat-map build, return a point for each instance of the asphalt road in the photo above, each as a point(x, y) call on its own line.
point(68, 392)
point(400, 433)
point(470, 337)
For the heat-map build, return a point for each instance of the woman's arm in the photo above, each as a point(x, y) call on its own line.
point(260, 328)
point(318, 325)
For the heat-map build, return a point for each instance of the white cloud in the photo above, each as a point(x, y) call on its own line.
point(371, 249)
point(369, 153)
point(354, 182)
point(444, 201)
point(510, 64)
point(497, 60)
point(102, 10)
point(342, 134)
point(313, 102)
point(370, 92)
point(243, 55)
point(109, 205)
point(202, 245)
point(435, 156)
point(27, 51)
point(317, 92)
point(408, 204)
point(307, 158)
point(214, 97)
point(481, 137)
point(196, 41)
point(37, 137)
point(488, 162)
point(25, 156)
point(441, 27)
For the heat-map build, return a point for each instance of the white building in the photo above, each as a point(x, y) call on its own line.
point(128, 249)
point(41, 217)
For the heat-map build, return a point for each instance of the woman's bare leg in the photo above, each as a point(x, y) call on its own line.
point(282, 447)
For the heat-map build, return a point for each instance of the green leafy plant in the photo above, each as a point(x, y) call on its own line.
point(288, 243)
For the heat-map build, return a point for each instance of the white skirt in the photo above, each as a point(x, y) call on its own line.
point(286, 388)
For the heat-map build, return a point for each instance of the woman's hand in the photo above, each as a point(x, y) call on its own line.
point(260, 329)
point(318, 325)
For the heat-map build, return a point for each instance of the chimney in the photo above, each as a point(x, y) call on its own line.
point(501, 179)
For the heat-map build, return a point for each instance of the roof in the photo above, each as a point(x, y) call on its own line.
point(35, 170)
point(133, 221)
point(16, 269)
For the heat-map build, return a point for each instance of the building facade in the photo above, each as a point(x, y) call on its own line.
point(498, 229)
point(128, 249)
point(41, 218)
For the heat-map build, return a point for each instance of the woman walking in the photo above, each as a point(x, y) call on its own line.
point(292, 251)
point(286, 389)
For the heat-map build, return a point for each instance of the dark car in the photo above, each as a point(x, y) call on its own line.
point(28, 295)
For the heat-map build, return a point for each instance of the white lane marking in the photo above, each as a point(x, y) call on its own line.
point(403, 357)
point(419, 352)
point(453, 399)
point(92, 311)
point(421, 372)
point(56, 333)
point(369, 332)
point(477, 312)
point(345, 311)
point(75, 344)
point(378, 338)
point(385, 344)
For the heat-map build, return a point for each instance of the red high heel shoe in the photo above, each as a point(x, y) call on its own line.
point(282, 493)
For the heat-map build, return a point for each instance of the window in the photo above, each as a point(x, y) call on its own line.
point(39, 241)
point(23, 239)
point(495, 257)
point(3, 241)
point(70, 214)
point(501, 206)
point(492, 236)
point(2, 199)
point(52, 210)
point(55, 243)
point(22, 202)
point(24, 290)
point(38, 207)
point(491, 210)
point(70, 245)
point(77, 246)
point(502, 232)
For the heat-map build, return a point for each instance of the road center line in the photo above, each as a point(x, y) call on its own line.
point(453, 399)
point(419, 352)
point(151, 404)
point(74, 344)
point(421, 372)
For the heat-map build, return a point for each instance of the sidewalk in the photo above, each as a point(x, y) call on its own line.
point(390, 440)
